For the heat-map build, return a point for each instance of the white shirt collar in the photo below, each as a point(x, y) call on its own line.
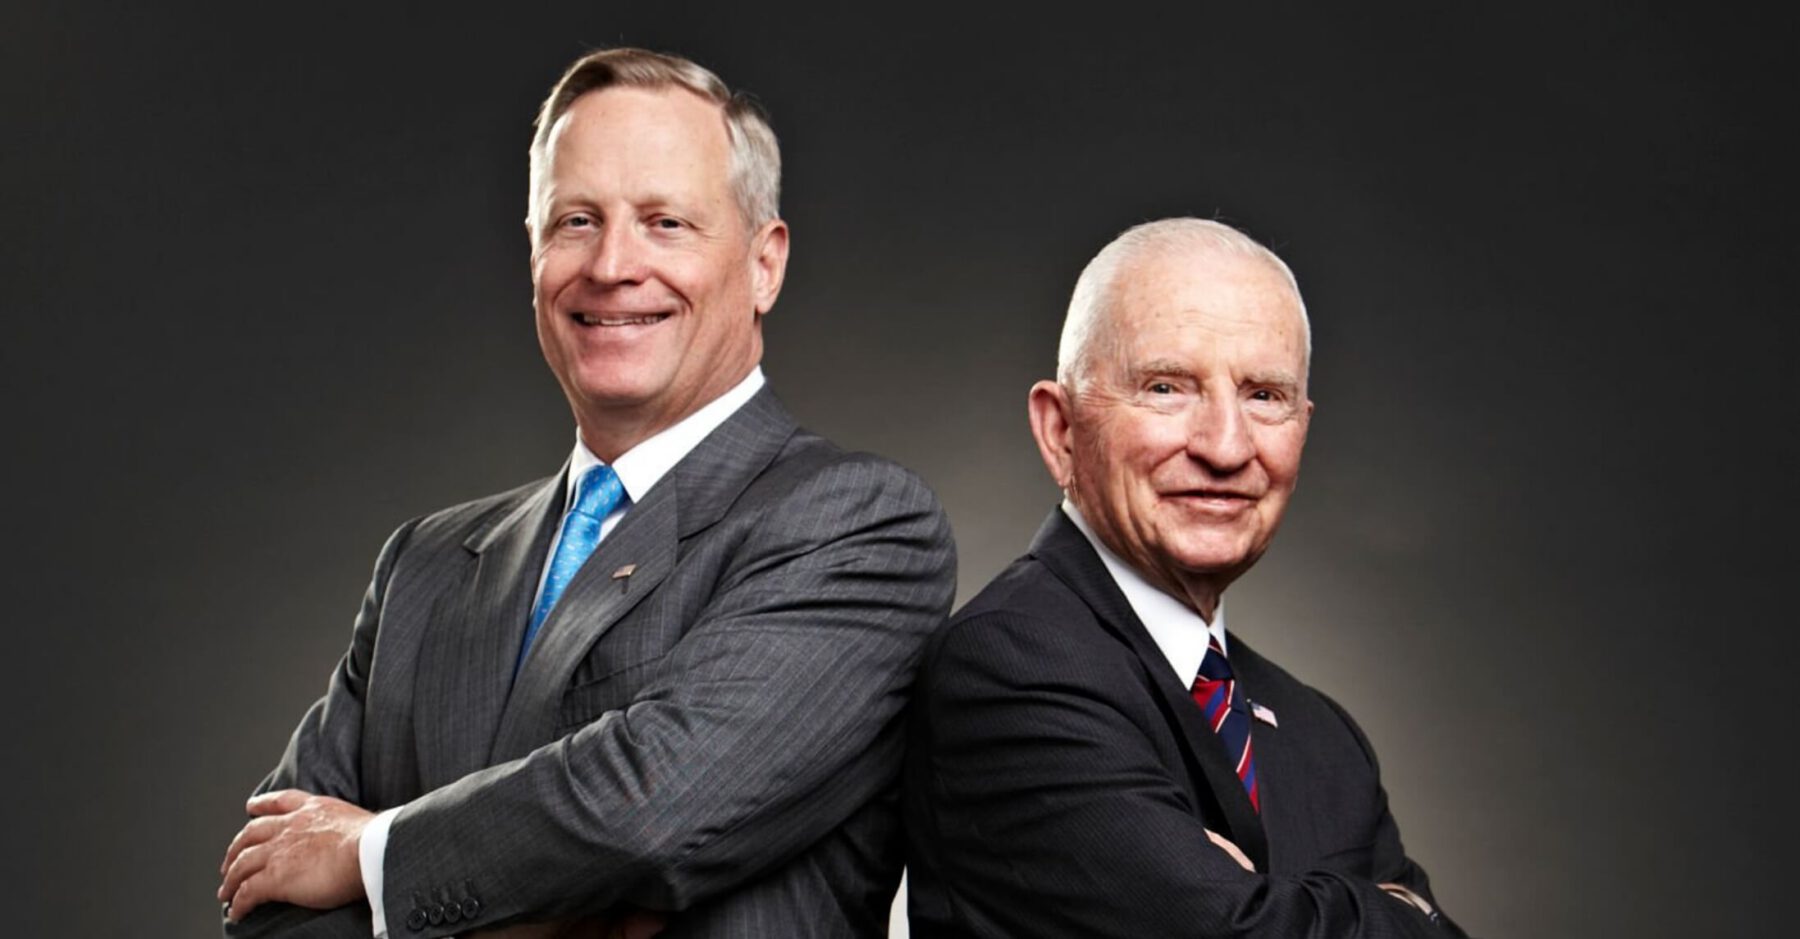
point(644, 465)
point(1179, 632)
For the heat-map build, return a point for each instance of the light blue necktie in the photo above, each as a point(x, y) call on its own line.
point(596, 495)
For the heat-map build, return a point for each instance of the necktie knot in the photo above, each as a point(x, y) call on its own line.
point(1215, 667)
point(598, 492)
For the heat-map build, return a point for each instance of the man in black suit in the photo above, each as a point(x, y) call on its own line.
point(1089, 753)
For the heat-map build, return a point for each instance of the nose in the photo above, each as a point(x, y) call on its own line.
point(1219, 435)
point(616, 257)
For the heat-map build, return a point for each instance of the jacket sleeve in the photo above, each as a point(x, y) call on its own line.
point(1391, 864)
point(1049, 810)
point(777, 717)
point(324, 757)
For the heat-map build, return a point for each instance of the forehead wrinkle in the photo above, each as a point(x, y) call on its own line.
point(1161, 367)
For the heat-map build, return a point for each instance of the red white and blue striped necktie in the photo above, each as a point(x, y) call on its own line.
point(1228, 714)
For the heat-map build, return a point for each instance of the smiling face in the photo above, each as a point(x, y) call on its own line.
point(1182, 444)
point(648, 283)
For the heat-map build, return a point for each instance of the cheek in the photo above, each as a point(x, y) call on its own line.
point(686, 273)
point(546, 280)
point(1160, 454)
point(1281, 458)
point(557, 264)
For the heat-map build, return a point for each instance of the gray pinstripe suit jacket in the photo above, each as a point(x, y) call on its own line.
point(717, 733)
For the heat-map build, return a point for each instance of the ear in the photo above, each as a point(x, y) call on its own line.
point(768, 261)
point(1052, 414)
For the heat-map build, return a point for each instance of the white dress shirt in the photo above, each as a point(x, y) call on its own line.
point(639, 469)
point(1179, 632)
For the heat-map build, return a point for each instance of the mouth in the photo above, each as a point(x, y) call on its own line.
point(617, 320)
point(1215, 501)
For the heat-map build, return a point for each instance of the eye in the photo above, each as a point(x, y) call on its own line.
point(1268, 404)
point(577, 220)
point(667, 223)
point(1160, 388)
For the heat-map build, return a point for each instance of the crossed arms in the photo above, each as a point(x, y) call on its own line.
point(772, 721)
point(1043, 806)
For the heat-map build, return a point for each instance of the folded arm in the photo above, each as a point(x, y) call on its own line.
point(1050, 810)
point(323, 757)
point(1396, 873)
point(775, 719)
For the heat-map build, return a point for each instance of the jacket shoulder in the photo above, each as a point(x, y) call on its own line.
point(451, 525)
point(823, 459)
point(1029, 625)
point(813, 470)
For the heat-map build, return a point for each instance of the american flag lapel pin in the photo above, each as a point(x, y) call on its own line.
point(624, 572)
point(1263, 714)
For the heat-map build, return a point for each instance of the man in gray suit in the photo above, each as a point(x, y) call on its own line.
point(667, 678)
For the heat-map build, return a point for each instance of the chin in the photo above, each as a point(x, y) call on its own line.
point(614, 397)
point(617, 383)
point(1212, 557)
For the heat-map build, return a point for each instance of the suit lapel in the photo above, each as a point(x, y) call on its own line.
point(594, 600)
point(1066, 552)
point(465, 667)
point(633, 559)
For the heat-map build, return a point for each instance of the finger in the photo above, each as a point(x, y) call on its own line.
point(278, 802)
point(1231, 849)
point(246, 865)
point(248, 897)
point(257, 831)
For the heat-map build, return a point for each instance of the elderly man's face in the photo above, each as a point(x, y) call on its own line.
point(648, 283)
point(1183, 447)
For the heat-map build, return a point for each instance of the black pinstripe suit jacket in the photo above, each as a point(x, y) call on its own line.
point(716, 733)
point(1060, 782)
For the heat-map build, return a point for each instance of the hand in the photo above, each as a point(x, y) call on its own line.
point(1231, 849)
point(298, 848)
point(1400, 892)
point(638, 924)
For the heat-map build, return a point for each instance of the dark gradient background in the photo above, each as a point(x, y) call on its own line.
point(266, 296)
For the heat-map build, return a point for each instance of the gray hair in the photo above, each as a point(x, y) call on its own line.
point(1091, 303)
point(755, 156)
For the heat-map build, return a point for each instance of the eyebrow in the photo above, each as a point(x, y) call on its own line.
point(1156, 367)
point(559, 198)
point(1278, 379)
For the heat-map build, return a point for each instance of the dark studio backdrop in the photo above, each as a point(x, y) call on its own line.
point(266, 296)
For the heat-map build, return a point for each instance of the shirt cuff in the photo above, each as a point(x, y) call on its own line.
point(371, 852)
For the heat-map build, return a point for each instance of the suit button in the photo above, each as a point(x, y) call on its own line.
point(452, 911)
point(436, 915)
point(415, 920)
point(471, 908)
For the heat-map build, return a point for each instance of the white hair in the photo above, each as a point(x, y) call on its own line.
point(755, 155)
point(1091, 306)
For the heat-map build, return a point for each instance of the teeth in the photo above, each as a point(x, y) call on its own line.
point(589, 319)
